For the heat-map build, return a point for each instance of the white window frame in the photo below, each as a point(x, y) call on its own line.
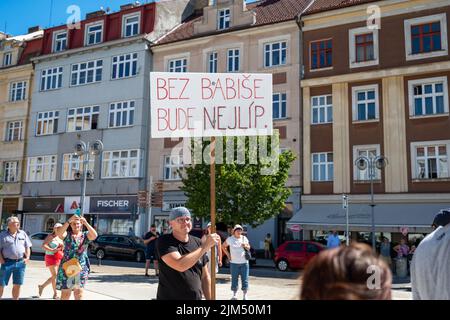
point(355, 91)
point(11, 171)
point(442, 18)
point(352, 33)
point(425, 144)
point(357, 174)
point(280, 95)
point(74, 163)
point(325, 106)
point(11, 127)
point(172, 67)
point(126, 107)
point(108, 164)
point(125, 24)
point(49, 161)
point(212, 61)
point(55, 40)
point(14, 90)
point(168, 164)
point(95, 69)
point(47, 122)
point(87, 113)
point(327, 177)
point(425, 81)
point(128, 58)
point(221, 14)
point(271, 50)
point(88, 33)
point(52, 76)
point(234, 56)
point(7, 59)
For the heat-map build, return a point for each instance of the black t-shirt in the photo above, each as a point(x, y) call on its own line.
point(175, 285)
point(151, 244)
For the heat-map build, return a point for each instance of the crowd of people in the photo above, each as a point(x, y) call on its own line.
point(183, 262)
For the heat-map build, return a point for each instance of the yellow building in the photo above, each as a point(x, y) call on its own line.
point(16, 77)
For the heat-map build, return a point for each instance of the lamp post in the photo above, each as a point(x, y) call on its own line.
point(345, 207)
point(86, 150)
point(370, 163)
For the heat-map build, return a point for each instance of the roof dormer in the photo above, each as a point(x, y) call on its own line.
point(221, 15)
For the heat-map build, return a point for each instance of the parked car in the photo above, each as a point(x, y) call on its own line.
point(296, 254)
point(37, 239)
point(119, 246)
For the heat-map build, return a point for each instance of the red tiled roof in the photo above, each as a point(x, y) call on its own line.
point(267, 12)
point(325, 5)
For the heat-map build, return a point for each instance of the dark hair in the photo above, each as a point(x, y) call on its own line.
point(342, 274)
point(153, 226)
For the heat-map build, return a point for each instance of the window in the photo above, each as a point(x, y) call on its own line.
point(121, 164)
point(82, 119)
point(321, 54)
point(7, 59)
point(47, 123)
point(363, 47)
point(41, 168)
point(212, 62)
point(430, 160)
point(311, 248)
point(14, 131)
point(86, 72)
point(121, 114)
point(94, 34)
point(233, 60)
point(428, 96)
point(51, 78)
point(322, 166)
point(11, 171)
point(73, 163)
point(279, 105)
point(368, 151)
point(131, 25)
point(59, 41)
point(124, 66)
point(171, 166)
point(322, 109)
point(223, 21)
point(365, 103)
point(17, 91)
point(426, 37)
point(177, 65)
point(275, 54)
point(295, 246)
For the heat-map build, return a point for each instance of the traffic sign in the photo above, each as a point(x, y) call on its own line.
point(295, 228)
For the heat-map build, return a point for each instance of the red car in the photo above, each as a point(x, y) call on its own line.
point(296, 254)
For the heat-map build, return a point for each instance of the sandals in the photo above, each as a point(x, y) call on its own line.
point(41, 289)
point(55, 296)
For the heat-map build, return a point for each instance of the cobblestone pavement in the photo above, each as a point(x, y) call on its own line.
point(108, 282)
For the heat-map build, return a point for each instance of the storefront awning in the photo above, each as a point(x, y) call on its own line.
point(388, 217)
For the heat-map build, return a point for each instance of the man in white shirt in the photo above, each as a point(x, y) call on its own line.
point(430, 276)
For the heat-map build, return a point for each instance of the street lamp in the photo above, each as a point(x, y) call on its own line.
point(370, 163)
point(86, 150)
point(345, 207)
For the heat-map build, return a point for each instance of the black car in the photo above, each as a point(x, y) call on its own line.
point(118, 246)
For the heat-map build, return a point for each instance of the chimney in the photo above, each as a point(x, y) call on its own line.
point(94, 14)
point(34, 29)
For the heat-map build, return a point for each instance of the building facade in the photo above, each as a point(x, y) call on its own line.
point(16, 78)
point(375, 82)
point(232, 36)
point(92, 84)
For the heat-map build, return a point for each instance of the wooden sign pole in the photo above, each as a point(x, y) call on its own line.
point(213, 215)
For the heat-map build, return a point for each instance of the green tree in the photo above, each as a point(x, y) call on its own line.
point(243, 194)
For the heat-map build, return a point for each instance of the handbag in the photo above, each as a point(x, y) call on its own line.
point(72, 267)
point(247, 253)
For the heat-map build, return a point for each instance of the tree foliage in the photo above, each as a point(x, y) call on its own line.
point(243, 194)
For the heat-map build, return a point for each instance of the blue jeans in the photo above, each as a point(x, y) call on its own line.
point(241, 269)
point(17, 269)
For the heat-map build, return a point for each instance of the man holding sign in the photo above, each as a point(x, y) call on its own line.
point(183, 264)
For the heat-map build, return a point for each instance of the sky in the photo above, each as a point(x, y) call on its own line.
point(16, 16)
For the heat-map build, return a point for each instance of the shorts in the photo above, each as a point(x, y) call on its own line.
point(16, 269)
point(150, 255)
point(53, 259)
